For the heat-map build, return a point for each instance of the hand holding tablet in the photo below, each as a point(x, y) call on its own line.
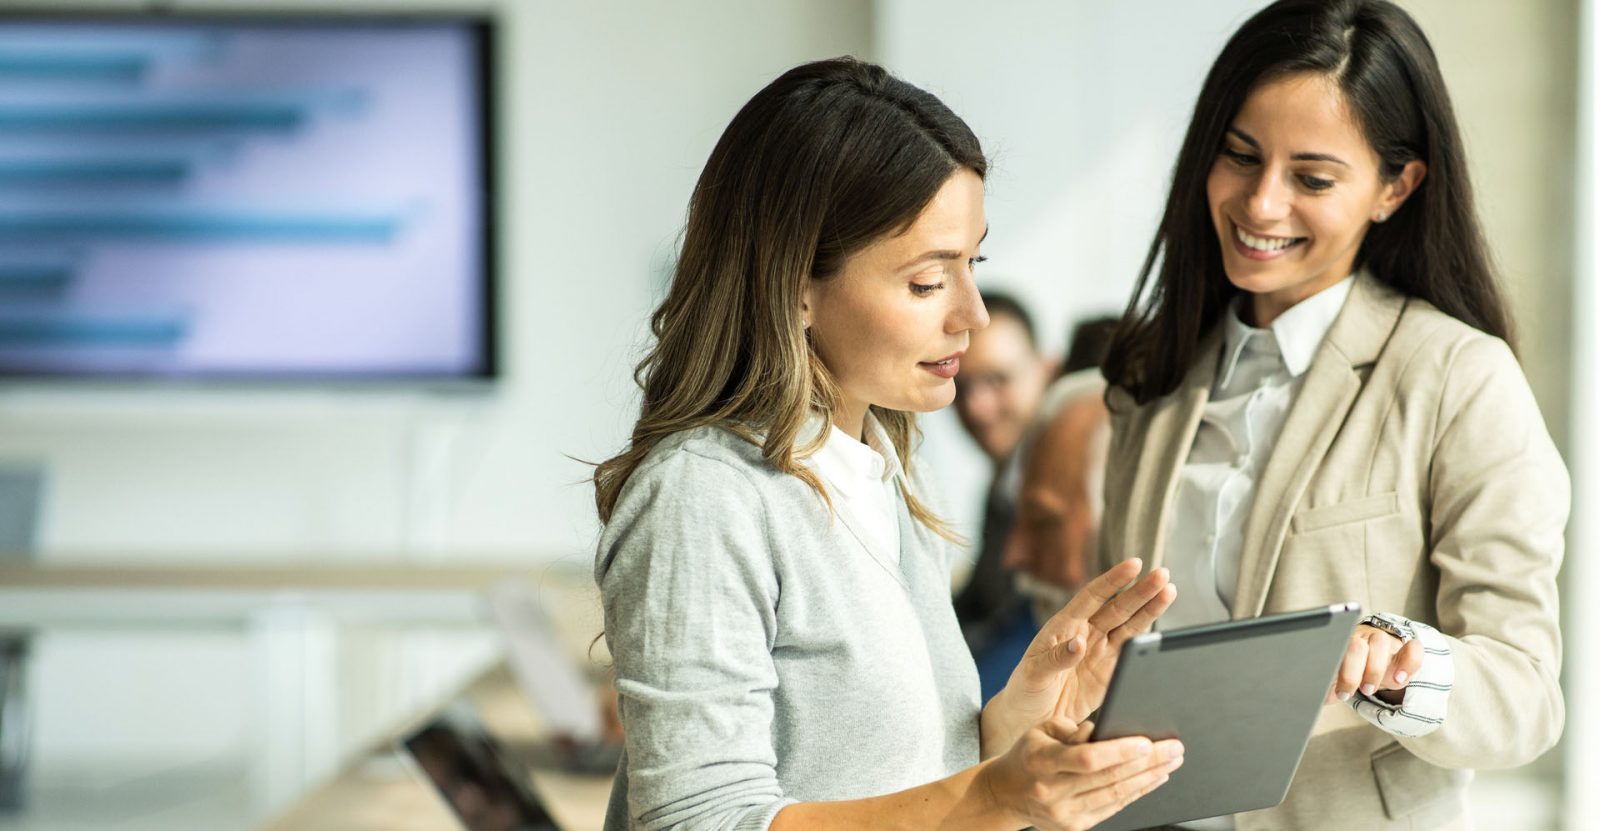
point(1376, 662)
point(1055, 779)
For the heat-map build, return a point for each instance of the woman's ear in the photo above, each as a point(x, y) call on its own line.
point(1399, 189)
point(805, 305)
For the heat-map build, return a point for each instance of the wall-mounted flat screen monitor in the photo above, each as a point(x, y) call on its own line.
point(246, 198)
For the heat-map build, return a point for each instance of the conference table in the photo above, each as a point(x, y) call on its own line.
point(298, 625)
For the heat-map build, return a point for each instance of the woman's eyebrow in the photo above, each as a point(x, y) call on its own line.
point(1299, 157)
point(943, 253)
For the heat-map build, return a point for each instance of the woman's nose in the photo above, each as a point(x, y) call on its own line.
point(968, 313)
point(1267, 201)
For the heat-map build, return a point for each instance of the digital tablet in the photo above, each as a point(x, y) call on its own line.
point(1242, 695)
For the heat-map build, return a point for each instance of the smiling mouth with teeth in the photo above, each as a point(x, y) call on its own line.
point(1264, 244)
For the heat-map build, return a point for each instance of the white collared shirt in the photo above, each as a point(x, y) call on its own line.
point(1260, 371)
point(860, 478)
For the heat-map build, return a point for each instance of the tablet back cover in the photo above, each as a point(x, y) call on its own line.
point(1243, 696)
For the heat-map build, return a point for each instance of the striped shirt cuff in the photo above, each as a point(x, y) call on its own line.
point(1421, 711)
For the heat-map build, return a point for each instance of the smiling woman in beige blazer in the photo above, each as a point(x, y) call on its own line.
point(1314, 400)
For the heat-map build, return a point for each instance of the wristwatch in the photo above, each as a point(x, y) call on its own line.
point(1392, 624)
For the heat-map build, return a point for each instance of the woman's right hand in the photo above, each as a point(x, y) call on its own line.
point(1067, 668)
point(1055, 779)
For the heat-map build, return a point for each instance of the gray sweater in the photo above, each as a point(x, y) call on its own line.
point(763, 655)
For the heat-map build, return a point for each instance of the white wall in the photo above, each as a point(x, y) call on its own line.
point(609, 111)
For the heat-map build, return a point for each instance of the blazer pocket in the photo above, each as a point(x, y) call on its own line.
point(1347, 512)
point(1409, 786)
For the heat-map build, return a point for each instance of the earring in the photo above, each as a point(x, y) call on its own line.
point(1382, 215)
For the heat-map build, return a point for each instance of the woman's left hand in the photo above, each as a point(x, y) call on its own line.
point(1065, 672)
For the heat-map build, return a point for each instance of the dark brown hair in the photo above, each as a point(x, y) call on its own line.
point(828, 158)
point(1432, 248)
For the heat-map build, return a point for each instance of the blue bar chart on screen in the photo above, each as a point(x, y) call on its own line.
point(245, 198)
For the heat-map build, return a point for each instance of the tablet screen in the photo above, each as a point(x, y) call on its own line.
point(468, 768)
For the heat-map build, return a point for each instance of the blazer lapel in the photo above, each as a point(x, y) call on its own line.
point(1331, 386)
point(1169, 435)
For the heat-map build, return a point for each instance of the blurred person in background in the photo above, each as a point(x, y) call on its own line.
point(1062, 470)
point(1002, 378)
point(1060, 496)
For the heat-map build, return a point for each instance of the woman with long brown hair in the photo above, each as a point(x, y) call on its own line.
point(775, 579)
point(1314, 399)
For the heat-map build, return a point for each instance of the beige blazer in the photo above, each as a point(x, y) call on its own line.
point(1414, 474)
